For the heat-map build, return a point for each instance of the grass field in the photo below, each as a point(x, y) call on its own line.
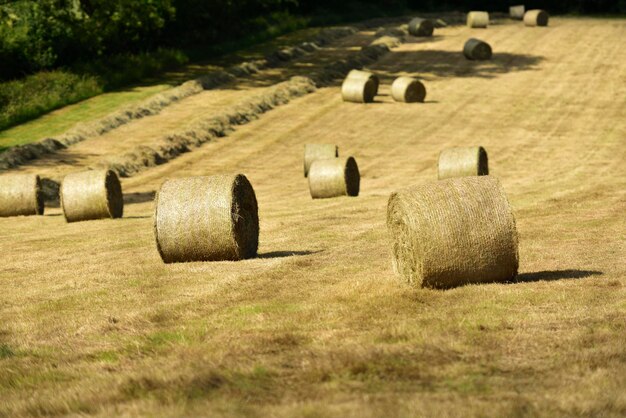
point(93, 323)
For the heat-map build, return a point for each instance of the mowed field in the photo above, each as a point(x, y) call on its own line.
point(93, 323)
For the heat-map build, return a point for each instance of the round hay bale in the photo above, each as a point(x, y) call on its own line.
point(364, 75)
point(453, 232)
point(334, 177)
point(478, 19)
point(421, 27)
point(314, 152)
point(408, 90)
point(517, 12)
point(206, 219)
point(462, 162)
point(475, 49)
point(358, 90)
point(94, 194)
point(21, 195)
point(536, 17)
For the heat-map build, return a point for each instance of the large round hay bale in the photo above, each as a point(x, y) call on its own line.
point(462, 162)
point(334, 177)
point(453, 232)
point(517, 12)
point(536, 17)
point(408, 90)
point(478, 19)
point(94, 194)
point(421, 27)
point(365, 75)
point(475, 49)
point(358, 90)
point(314, 152)
point(21, 195)
point(206, 219)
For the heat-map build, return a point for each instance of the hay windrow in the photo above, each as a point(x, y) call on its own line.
point(20, 195)
point(462, 162)
point(536, 17)
point(314, 152)
point(421, 27)
point(478, 19)
point(93, 194)
point(517, 12)
point(477, 50)
point(334, 177)
point(206, 219)
point(453, 232)
point(408, 90)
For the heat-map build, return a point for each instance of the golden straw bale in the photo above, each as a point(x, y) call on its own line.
point(334, 177)
point(421, 27)
point(453, 232)
point(206, 219)
point(517, 12)
point(408, 90)
point(93, 194)
point(536, 18)
point(462, 162)
point(21, 195)
point(475, 49)
point(478, 19)
point(314, 152)
point(358, 90)
point(360, 75)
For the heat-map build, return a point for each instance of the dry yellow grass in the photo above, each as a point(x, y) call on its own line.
point(92, 322)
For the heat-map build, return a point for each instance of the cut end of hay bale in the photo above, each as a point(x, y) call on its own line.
point(453, 232)
point(365, 75)
point(536, 17)
point(314, 152)
point(421, 27)
point(517, 12)
point(334, 177)
point(408, 90)
point(93, 194)
point(21, 195)
point(463, 162)
point(206, 219)
point(478, 50)
point(478, 19)
point(358, 90)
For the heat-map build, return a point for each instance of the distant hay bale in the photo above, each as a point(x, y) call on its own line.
point(463, 161)
point(421, 27)
point(334, 177)
point(453, 232)
point(358, 90)
point(536, 17)
point(206, 219)
point(517, 12)
point(477, 50)
point(20, 195)
point(314, 152)
point(93, 194)
point(408, 90)
point(478, 19)
point(364, 75)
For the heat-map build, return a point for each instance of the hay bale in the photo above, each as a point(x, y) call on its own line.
point(93, 194)
point(462, 162)
point(20, 195)
point(421, 27)
point(334, 177)
point(517, 12)
point(453, 232)
point(475, 49)
point(206, 219)
point(536, 17)
point(478, 19)
point(358, 90)
point(314, 152)
point(364, 75)
point(408, 90)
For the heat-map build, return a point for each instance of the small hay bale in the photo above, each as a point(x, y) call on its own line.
point(334, 177)
point(94, 194)
point(364, 75)
point(478, 19)
point(408, 90)
point(453, 232)
point(211, 218)
point(517, 12)
point(358, 90)
point(21, 195)
point(475, 49)
point(462, 162)
point(314, 152)
point(536, 17)
point(421, 27)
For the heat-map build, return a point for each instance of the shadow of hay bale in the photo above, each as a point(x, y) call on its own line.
point(552, 275)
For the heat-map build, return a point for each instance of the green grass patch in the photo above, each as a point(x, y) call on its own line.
point(6, 351)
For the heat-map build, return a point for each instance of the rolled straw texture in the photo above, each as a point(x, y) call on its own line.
point(358, 90)
point(536, 18)
point(421, 27)
point(453, 232)
point(20, 195)
point(408, 90)
point(206, 219)
point(334, 177)
point(478, 19)
point(517, 12)
point(475, 49)
point(364, 75)
point(314, 152)
point(94, 194)
point(463, 162)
